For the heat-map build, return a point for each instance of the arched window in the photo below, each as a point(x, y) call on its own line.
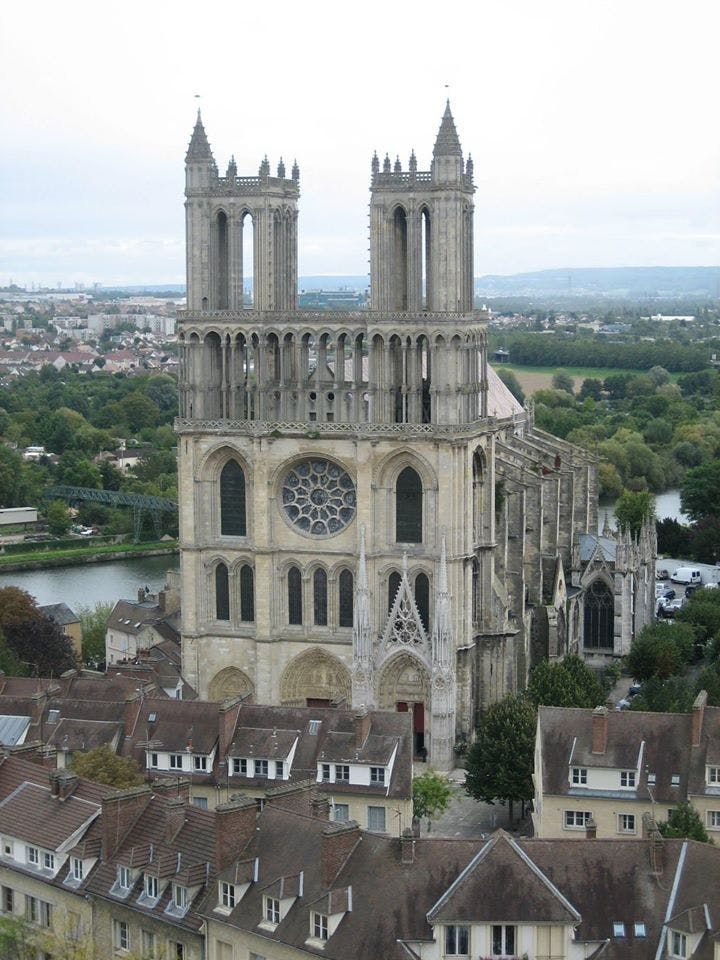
point(422, 598)
point(320, 588)
point(232, 500)
point(408, 507)
point(247, 594)
point(475, 590)
point(599, 617)
point(346, 598)
point(295, 605)
point(393, 587)
point(222, 593)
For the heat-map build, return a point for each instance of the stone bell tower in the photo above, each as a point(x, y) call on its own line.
point(341, 541)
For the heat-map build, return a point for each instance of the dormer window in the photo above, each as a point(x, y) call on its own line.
point(154, 760)
point(639, 929)
point(279, 770)
point(713, 776)
point(271, 910)
point(78, 869)
point(319, 926)
point(176, 761)
point(618, 929)
point(48, 861)
point(33, 856)
point(342, 773)
point(150, 887)
point(377, 776)
point(123, 878)
point(240, 766)
point(457, 940)
point(627, 778)
point(180, 897)
point(579, 776)
point(200, 763)
point(227, 895)
point(325, 771)
point(261, 768)
point(678, 945)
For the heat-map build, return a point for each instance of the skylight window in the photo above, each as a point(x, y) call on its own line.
point(53, 716)
point(618, 929)
point(313, 727)
point(675, 780)
point(651, 779)
point(152, 717)
point(639, 929)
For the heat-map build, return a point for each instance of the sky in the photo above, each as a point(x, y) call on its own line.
point(593, 125)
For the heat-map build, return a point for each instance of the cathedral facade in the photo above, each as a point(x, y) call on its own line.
point(367, 514)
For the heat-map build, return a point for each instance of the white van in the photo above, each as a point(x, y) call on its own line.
point(686, 575)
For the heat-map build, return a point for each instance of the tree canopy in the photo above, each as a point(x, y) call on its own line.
point(431, 794)
point(684, 821)
point(566, 683)
point(103, 765)
point(500, 761)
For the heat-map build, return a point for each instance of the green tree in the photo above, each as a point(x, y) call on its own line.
point(702, 611)
point(633, 509)
point(684, 821)
point(671, 695)
point(104, 766)
point(566, 683)
point(511, 381)
point(58, 518)
point(500, 761)
point(700, 491)
point(661, 650)
point(591, 388)
point(431, 794)
point(93, 624)
point(563, 381)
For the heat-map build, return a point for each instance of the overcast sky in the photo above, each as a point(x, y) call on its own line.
point(593, 125)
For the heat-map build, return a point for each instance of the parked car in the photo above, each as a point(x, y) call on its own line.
point(622, 704)
point(691, 588)
point(670, 608)
point(634, 689)
point(662, 574)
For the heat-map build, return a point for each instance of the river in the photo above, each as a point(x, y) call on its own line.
point(667, 504)
point(87, 584)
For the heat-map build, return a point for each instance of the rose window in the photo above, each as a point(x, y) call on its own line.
point(318, 498)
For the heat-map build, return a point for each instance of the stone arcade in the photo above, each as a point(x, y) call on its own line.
point(367, 514)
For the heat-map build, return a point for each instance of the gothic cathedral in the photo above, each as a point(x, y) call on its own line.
point(368, 516)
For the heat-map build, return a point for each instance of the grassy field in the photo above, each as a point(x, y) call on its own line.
point(48, 558)
point(540, 378)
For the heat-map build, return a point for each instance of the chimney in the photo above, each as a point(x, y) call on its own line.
point(63, 783)
point(174, 817)
point(228, 712)
point(234, 828)
point(362, 727)
point(590, 829)
point(120, 810)
point(599, 729)
point(697, 716)
point(321, 808)
point(172, 787)
point(38, 703)
point(407, 846)
point(141, 594)
point(338, 842)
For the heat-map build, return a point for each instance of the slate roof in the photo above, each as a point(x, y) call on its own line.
point(32, 814)
point(60, 613)
point(12, 729)
point(566, 734)
point(589, 541)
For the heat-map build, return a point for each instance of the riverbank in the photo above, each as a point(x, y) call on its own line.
point(85, 553)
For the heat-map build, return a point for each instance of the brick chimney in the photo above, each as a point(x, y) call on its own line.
point(362, 727)
point(63, 783)
point(697, 717)
point(599, 729)
point(407, 846)
point(590, 829)
point(338, 841)
point(174, 787)
point(234, 828)
point(321, 808)
point(228, 712)
point(120, 810)
point(174, 817)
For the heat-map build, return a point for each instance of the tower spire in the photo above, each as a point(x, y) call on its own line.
point(362, 687)
point(448, 142)
point(199, 148)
